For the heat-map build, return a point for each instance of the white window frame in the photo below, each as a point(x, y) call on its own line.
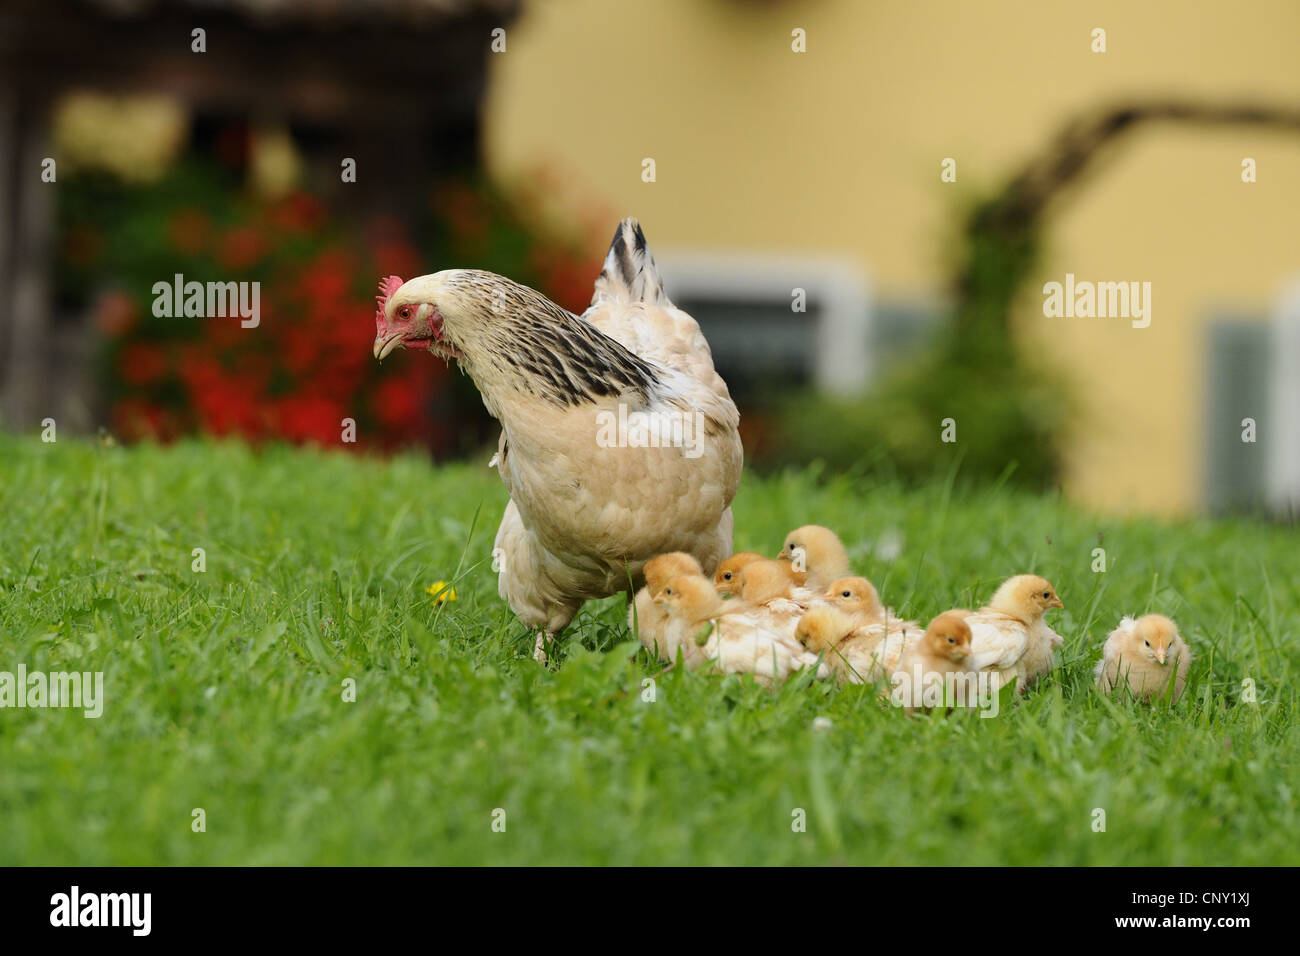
point(839, 289)
point(1283, 427)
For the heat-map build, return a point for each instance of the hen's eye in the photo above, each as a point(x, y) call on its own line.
point(404, 312)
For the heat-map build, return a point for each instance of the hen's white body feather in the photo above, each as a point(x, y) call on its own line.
point(582, 518)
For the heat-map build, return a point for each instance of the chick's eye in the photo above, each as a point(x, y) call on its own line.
point(952, 640)
point(1047, 595)
point(727, 576)
point(1148, 643)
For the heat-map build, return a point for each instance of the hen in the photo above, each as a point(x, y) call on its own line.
point(596, 489)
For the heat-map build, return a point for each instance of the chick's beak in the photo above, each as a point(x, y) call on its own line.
point(1161, 656)
point(1056, 602)
point(386, 342)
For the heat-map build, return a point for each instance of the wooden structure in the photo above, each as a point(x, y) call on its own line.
point(394, 84)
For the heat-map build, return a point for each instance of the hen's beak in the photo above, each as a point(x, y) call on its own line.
point(385, 343)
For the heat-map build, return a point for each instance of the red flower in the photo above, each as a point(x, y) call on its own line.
point(397, 405)
point(310, 418)
point(227, 333)
point(226, 408)
point(241, 247)
point(198, 369)
point(324, 282)
point(299, 213)
point(397, 257)
point(116, 313)
point(142, 365)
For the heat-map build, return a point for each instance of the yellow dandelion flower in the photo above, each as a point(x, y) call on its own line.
point(441, 591)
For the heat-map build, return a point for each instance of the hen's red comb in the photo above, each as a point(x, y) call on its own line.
point(386, 288)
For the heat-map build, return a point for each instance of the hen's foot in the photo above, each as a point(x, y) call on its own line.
point(539, 648)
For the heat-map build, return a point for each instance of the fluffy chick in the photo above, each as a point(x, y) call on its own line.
point(881, 636)
point(1147, 654)
point(727, 578)
point(768, 594)
point(1010, 636)
point(858, 599)
point(763, 581)
point(944, 648)
point(858, 654)
point(817, 553)
point(732, 642)
point(822, 629)
point(644, 617)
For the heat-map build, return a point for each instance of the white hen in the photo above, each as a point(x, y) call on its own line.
point(618, 438)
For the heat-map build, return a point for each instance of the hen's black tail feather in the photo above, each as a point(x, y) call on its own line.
point(629, 274)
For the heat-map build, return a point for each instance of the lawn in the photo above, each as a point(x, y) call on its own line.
point(225, 688)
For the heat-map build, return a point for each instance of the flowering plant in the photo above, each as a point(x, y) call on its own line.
point(305, 372)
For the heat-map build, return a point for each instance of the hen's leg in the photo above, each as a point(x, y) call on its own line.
point(539, 648)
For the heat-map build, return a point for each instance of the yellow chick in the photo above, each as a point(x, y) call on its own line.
point(857, 598)
point(763, 581)
point(817, 554)
point(1147, 654)
point(881, 636)
point(822, 629)
point(727, 578)
point(942, 656)
point(644, 617)
point(768, 594)
point(1009, 635)
point(714, 638)
point(858, 654)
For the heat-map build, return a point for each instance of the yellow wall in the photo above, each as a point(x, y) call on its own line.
point(838, 150)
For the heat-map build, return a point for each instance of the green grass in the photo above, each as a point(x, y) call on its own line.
point(224, 688)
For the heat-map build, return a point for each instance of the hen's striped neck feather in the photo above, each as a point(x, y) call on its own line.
point(522, 341)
